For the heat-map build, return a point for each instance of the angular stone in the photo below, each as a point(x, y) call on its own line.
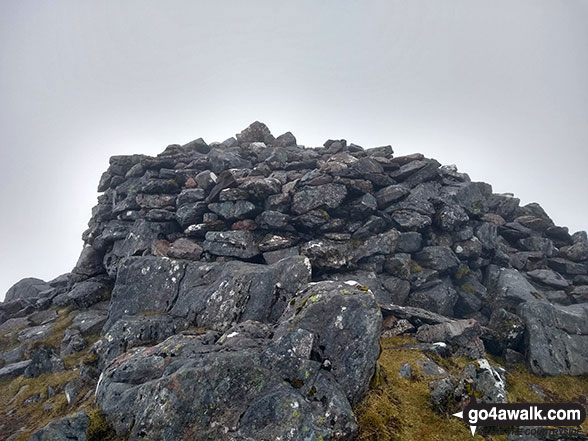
point(440, 298)
point(26, 289)
point(231, 243)
point(439, 258)
point(328, 308)
point(556, 338)
point(507, 288)
point(463, 336)
point(309, 198)
point(14, 369)
point(70, 428)
point(45, 360)
point(328, 254)
point(549, 278)
point(388, 195)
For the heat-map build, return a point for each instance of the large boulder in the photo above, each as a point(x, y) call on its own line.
point(298, 383)
point(347, 320)
point(556, 338)
point(26, 289)
point(45, 360)
point(508, 288)
point(212, 295)
point(70, 428)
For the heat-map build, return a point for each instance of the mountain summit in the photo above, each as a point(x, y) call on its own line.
point(245, 290)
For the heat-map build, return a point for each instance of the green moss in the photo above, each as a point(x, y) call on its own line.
point(415, 267)
point(462, 272)
point(99, 429)
point(466, 287)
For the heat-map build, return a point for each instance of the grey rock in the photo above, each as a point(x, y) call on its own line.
point(442, 393)
point(190, 196)
point(129, 332)
point(556, 338)
point(277, 255)
point(440, 298)
point(70, 428)
point(72, 342)
point(233, 210)
point(411, 220)
point(216, 296)
point(326, 309)
point(485, 380)
point(84, 294)
point(45, 360)
point(89, 322)
point(508, 288)
point(328, 254)
point(26, 289)
point(384, 243)
point(505, 330)
point(256, 132)
point(463, 336)
point(206, 180)
point(185, 249)
point(409, 242)
point(309, 198)
point(273, 220)
point(549, 278)
point(405, 371)
point(565, 266)
point(14, 369)
point(432, 369)
point(231, 243)
point(439, 258)
point(388, 195)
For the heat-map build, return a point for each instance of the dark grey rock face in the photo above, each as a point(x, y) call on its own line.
point(213, 295)
point(556, 338)
point(45, 360)
point(299, 383)
point(71, 428)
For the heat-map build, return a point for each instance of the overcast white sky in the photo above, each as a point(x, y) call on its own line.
point(499, 88)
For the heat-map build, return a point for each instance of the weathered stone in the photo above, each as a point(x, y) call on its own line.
point(505, 330)
point(45, 360)
point(439, 258)
point(233, 210)
point(508, 287)
point(72, 342)
point(328, 254)
point(70, 428)
point(256, 132)
point(84, 294)
point(231, 243)
point(14, 369)
point(388, 195)
point(326, 309)
point(309, 198)
point(411, 220)
point(26, 289)
point(549, 278)
point(556, 338)
point(463, 336)
point(440, 298)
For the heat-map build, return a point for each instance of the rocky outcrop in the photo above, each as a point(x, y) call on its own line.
point(237, 290)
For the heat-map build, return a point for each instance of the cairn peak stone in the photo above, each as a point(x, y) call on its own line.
point(256, 132)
